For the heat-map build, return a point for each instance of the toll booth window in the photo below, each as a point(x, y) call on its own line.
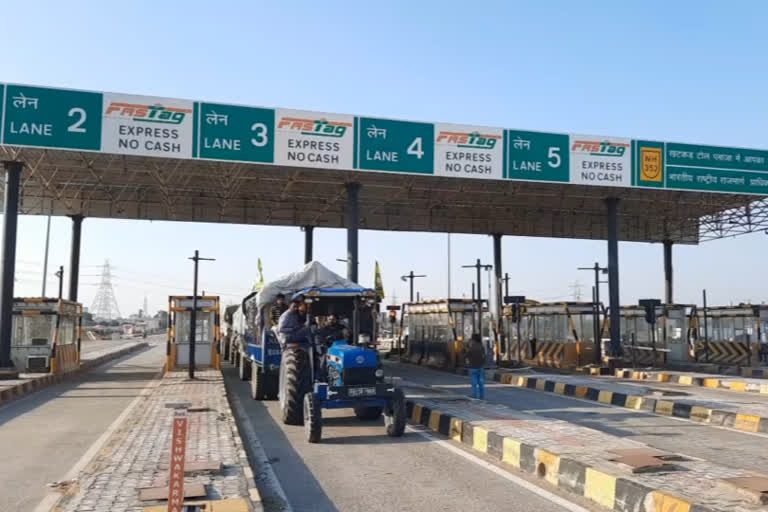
point(66, 330)
point(33, 330)
point(203, 327)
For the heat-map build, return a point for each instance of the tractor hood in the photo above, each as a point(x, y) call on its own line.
point(352, 356)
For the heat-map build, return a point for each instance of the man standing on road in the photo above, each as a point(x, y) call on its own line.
point(476, 364)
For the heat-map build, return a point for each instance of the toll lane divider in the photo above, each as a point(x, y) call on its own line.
point(737, 420)
point(38, 383)
point(693, 380)
point(596, 484)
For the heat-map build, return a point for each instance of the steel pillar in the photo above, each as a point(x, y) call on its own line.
point(612, 204)
point(308, 231)
point(10, 223)
point(353, 223)
point(668, 294)
point(74, 256)
point(497, 289)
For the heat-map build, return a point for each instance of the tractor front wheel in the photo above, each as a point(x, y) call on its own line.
point(394, 420)
point(368, 413)
point(313, 418)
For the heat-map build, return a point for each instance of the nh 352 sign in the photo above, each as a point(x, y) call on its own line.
point(165, 127)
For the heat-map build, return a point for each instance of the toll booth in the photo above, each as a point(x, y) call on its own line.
point(439, 331)
point(557, 334)
point(45, 335)
point(733, 335)
point(207, 332)
point(670, 344)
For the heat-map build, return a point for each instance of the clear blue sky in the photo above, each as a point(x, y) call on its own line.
point(691, 71)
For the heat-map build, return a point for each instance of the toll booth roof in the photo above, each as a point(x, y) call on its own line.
point(740, 310)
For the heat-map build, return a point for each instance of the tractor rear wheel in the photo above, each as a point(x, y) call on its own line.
point(394, 420)
point(271, 386)
point(313, 418)
point(257, 382)
point(368, 413)
point(294, 384)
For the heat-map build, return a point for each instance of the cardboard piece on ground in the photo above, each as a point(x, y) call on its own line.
point(191, 490)
point(227, 505)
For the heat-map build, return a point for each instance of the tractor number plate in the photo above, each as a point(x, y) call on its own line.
point(361, 391)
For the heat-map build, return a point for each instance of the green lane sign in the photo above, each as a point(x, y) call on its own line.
point(227, 132)
point(54, 118)
point(712, 168)
point(165, 127)
point(537, 156)
point(386, 145)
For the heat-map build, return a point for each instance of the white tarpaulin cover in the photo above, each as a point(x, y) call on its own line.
point(314, 274)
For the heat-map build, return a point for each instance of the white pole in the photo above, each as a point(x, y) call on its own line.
point(449, 266)
point(45, 257)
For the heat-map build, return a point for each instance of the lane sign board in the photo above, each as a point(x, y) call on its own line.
point(469, 151)
point(148, 126)
point(312, 139)
point(229, 132)
point(45, 117)
point(602, 161)
point(387, 145)
point(537, 156)
point(53, 118)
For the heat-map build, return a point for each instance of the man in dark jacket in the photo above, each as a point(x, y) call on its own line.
point(476, 364)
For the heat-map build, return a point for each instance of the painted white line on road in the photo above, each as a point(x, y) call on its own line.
point(542, 493)
point(50, 500)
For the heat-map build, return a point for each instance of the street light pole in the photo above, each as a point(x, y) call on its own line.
point(60, 275)
point(193, 320)
point(479, 266)
point(411, 276)
point(596, 309)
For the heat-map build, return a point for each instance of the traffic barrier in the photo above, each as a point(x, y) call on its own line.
point(642, 355)
point(562, 355)
point(596, 484)
point(728, 352)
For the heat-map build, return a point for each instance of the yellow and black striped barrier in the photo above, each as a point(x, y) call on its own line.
point(727, 352)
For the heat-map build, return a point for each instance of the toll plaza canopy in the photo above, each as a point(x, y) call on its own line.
point(136, 157)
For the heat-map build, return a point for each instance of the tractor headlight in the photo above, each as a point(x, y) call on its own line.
point(379, 373)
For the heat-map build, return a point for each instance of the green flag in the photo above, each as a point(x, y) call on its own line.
point(377, 283)
point(260, 284)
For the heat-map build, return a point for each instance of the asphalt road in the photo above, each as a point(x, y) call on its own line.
point(43, 435)
point(358, 468)
point(726, 447)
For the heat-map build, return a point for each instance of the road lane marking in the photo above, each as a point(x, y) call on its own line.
point(542, 493)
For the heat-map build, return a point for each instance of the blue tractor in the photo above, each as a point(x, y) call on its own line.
point(337, 367)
